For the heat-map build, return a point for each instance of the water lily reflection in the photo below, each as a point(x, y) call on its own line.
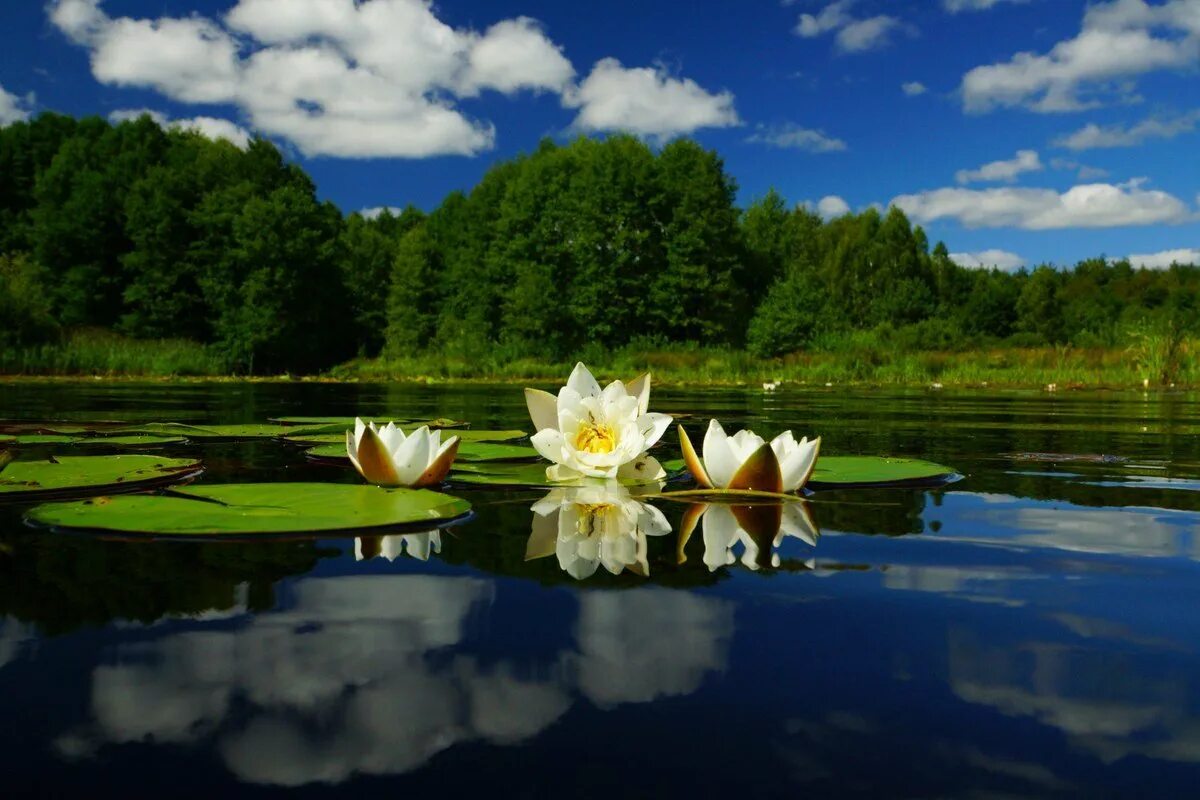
point(759, 528)
point(594, 524)
point(417, 545)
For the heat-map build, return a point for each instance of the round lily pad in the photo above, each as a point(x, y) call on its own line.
point(133, 441)
point(466, 435)
point(839, 472)
point(380, 419)
point(67, 476)
point(249, 509)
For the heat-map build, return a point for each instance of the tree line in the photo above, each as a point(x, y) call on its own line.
point(609, 243)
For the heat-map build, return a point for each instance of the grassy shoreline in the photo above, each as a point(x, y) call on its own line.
point(120, 359)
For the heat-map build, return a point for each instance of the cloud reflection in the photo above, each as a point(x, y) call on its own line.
point(373, 675)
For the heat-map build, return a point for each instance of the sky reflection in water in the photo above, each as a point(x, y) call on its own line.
point(1031, 630)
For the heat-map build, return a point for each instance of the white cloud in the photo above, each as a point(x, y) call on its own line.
point(955, 6)
point(829, 207)
point(1164, 259)
point(13, 108)
point(1092, 205)
point(985, 259)
point(209, 127)
point(646, 101)
point(1093, 136)
point(793, 136)
point(373, 78)
point(853, 35)
point(376, 211)
point(1082, 171)
point(913, 88)
point(1119, 41)
point(1024, 161)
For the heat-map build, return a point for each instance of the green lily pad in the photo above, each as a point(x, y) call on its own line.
point(131, 441)
point(249, 509)
point(839, 472)
point(84, 475)
point(226, 433)
point(467, 451)
point(29, 439)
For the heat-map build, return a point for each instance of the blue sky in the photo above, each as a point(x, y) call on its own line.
point(1020, 131)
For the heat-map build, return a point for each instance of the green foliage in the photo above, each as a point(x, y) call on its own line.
point(24, 304)
point(163, 252)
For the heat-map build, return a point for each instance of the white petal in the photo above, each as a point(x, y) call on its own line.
point(543, 408)
point(639, 387)
point(653, 522)
point(719, 460)
point(412, 457)
point(614, 391)
point(549, 444)
point(581, 381)
point(392, 437)
point(359, 427)
point(644, 469)
point(351, 446)
point(653, 426)
point(798, 466)
point(720, 532)
point(783, 444)
point(797, 523)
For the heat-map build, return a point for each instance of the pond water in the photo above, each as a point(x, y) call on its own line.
point(1032, 630)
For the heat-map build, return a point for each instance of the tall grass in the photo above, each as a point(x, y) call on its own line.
point(98, 352)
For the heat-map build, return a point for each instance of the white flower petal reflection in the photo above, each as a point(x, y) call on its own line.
point(592, 525)
point(760, 529)
point(417, 545)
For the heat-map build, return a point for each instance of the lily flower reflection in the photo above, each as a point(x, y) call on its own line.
point(594, 524)
point(759, 528)
point(417, 545)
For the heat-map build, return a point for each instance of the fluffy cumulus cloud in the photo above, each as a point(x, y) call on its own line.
point(1092, 205)
point(851, 34)
point(369, 78)
point(913, 88)
point(12, 108)
point(1093, 136)
point(986, 259)
point(209, 127)
point(646, 101)
point(1120, 40)
point(795, 137)
point(1165, 258)
point(1083, 172)
point(1005, 170)
point(829, 207)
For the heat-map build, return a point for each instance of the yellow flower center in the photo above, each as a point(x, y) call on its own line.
point(594, 437)
point(593, 518)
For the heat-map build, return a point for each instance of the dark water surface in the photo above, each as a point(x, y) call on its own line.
point(1033, 630)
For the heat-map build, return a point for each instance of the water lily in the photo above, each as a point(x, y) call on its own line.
point(745, 461)
point(760, 529)
point(417, 545)
point(387, 457)
point(597, 433)
point(594, 524)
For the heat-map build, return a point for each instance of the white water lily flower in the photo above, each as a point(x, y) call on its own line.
point(386, 457)
point(594, 524)
point(759, 529)
point(418, 546)
point(744, 461)
point(597, 433)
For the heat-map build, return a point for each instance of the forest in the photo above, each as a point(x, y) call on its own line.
point(142, 235)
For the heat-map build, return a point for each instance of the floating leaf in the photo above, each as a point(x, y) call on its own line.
point(30, 439)
point(248, 509)
point(84, 475)
point(835, 472)
point(132, 441)
point(381, 419)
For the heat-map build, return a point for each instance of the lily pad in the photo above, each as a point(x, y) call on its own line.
point(466, 435)
point(132, 441)
point(29, 439)
point(86, 475)
point(467, 451)
point(249, 509)
point(839, 472)
point(348, 422)
point(225, 433)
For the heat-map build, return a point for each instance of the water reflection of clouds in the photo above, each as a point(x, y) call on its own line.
point(1130, 531)
point(13, 637)
point(370, 674)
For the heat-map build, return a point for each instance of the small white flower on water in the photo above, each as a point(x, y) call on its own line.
point(417, 545)
point(386, 457)
point(743, 461)
point(598, 433)
point(586, 526)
